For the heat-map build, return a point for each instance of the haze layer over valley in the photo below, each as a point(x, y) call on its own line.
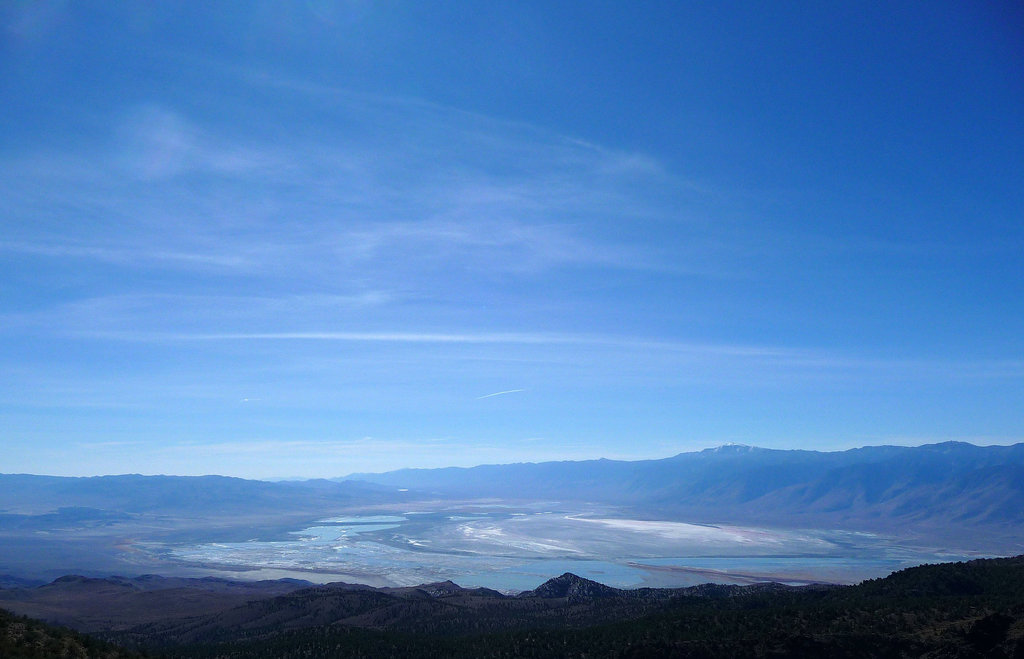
point(730, 515)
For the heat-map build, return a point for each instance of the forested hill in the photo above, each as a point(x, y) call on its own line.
point(973, 609)
point(23, 638)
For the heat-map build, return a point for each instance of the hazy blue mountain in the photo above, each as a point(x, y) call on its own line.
point(951, 484)
point(53, 525)
point(939, 495)
point(11, 581)
point(102, 497)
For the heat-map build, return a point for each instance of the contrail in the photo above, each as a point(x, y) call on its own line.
point(500, 393)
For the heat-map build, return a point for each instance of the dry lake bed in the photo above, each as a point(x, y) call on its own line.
point(517, 547)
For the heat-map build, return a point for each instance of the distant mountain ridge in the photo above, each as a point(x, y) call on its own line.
point(947, 495)
point(134, 493)
point(51, 525)
point(950, 484)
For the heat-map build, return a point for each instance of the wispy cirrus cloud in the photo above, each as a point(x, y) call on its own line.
point(123, 256)
point(752, 365)
point(154, 142)
point(412, 187)
point(141, 315)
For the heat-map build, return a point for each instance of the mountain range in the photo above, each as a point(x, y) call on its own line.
point(948, 496)
point(936, 488)
point(935, 485)
point(32, 495)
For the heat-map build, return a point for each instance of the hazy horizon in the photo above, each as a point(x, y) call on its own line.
point(299, 240)
point(470, 465)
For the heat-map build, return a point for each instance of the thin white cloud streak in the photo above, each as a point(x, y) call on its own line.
point(766, 357)
point(144, 312)
point(523, 338)
point(122, 256)
point(375, 337)
point(500, 393)
point(186, 319)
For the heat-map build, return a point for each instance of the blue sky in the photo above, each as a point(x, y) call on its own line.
point(306, 239)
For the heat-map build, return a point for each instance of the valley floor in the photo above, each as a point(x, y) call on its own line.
point(510, 547)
